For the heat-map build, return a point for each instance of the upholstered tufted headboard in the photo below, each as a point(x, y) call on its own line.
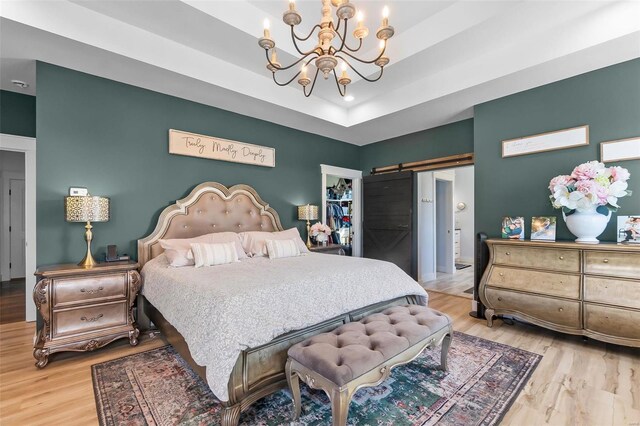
point(210, 207)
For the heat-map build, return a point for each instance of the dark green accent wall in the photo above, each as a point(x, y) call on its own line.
point(17, 114)
point(113, 139)
point(608, 100)
point(443, 141)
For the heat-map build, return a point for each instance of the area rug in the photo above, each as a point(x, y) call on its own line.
point(484, 378)
point(469, 290)
point(462, 266)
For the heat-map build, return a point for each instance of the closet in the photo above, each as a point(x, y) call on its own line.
point(339, 210)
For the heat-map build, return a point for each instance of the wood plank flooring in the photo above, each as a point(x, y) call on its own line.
point(453, 284)
point(576, 383)
point(12, 301)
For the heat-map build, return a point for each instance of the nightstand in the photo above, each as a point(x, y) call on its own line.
point(330, 249)
point(83, 309)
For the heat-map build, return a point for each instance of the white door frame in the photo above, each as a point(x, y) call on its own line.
point(356, 188)
point(5, 236)
point(28, 146)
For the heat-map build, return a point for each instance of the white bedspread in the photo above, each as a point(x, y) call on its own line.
point(224, 309)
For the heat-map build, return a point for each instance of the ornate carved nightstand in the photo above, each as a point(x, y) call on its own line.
point(83, 309)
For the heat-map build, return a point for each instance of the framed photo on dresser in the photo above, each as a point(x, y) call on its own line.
point(543, 228)
point(629, 229)
point(513, 228)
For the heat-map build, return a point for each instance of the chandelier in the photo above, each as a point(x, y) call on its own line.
point(325, 56)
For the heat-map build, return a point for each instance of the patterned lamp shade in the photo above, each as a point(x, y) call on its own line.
point(307, 212)
point(86, 209)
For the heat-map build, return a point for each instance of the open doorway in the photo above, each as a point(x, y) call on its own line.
point(446, 230)
point(342, 207)
point(12, 233)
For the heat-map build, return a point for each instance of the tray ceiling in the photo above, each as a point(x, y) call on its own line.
point(446, 56)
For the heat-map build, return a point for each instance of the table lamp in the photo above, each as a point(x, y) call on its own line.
point(86, 209)
point(308, 212)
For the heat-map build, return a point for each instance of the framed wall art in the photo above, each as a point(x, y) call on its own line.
point(620, 150)
point(558, 139)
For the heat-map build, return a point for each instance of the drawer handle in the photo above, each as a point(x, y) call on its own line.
point(560, 310)
point(508, 253)
point(499, 299)
point(501, 274)
point(92, 291)
point(605, 261)
point(561, 258)
point(92, 319)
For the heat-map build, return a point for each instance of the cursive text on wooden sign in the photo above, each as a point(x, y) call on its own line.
point(194, 145)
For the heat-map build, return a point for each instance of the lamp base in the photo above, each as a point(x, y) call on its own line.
point(88, 261)
point(308, 236)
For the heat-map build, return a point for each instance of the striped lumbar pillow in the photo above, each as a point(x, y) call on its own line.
point(213, 254)
point(282, 248)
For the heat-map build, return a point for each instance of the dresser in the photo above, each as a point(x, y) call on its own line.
point(589, 290)
point(83, 309)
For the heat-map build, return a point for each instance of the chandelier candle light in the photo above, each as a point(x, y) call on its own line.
point(325, 56)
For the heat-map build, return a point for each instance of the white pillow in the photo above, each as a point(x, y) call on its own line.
point(254, 242)
point(282, 248)
point(178, 250)
point(213, 254)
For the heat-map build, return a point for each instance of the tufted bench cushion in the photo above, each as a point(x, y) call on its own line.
point(354, 349)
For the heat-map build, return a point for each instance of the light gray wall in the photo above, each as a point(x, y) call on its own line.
point(463, 192)
point(10, 162)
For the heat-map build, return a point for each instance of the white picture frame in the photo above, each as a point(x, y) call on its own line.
point(620, 150)
point(549, 141)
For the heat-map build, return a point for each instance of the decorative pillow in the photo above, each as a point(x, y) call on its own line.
point(254, 242)
point(178, 250)
point(213, 254)
point(282, 248)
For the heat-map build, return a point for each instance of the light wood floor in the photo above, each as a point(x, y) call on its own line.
point(576, 383)
point(12, 301)
point(454, 284)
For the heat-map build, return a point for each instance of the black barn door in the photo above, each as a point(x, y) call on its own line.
point(387, 216)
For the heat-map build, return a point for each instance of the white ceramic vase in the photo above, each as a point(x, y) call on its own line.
point(587, 226)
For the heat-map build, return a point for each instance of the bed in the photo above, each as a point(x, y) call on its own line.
point(234, 323)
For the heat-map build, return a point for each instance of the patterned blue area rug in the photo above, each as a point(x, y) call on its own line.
point(484, 378)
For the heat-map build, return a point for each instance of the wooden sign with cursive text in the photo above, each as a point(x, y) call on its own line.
point(194, 145)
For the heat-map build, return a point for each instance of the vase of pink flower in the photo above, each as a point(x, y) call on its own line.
point(320, 232)
point(588, 196)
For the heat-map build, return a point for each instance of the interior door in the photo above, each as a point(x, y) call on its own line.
point(16, 228)
point(387, 216)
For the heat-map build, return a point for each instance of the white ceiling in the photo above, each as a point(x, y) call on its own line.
point(446, 56)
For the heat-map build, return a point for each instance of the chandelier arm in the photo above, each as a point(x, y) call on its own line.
point(293, 33)
point(335, 76)
point(362, 60)
point(273, 73)
point(281, 68)
point(370, 80)
point(335, 28)
point(343, 40)
point(304, 89)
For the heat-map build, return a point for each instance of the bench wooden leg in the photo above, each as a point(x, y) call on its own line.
point(446, 343)
point(340, 400)
point(294, 386)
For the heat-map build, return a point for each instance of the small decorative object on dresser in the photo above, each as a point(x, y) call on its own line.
point(320, 232)
point(573, 288)
point(629, 229)
point(83, 309)
point(543, 228)
point(330, 249)
point(513, 228)
point(588, 196)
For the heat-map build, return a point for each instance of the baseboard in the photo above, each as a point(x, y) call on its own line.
point(467, 261)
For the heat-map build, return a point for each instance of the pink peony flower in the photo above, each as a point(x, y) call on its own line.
point(562, 180)
point(587, 170)
point(619, 174)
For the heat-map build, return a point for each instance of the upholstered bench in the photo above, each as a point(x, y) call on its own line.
point(360, 354)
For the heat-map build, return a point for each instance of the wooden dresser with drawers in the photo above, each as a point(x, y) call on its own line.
point(83, 309)
point(590, 290)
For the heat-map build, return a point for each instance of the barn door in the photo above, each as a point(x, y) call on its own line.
point(388, 230)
